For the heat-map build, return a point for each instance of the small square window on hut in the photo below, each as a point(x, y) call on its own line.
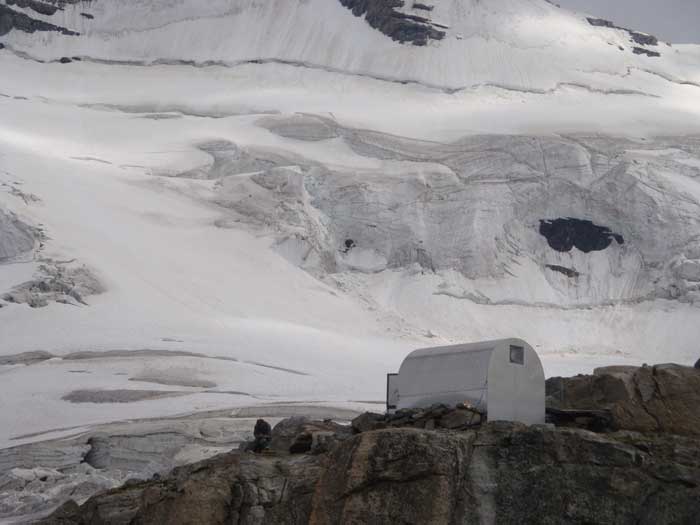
point(517, 355)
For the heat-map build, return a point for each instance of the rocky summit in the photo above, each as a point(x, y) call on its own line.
point(414, 467)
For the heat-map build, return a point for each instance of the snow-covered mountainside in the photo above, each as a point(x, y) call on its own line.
point(449, 44)
point(276, 200)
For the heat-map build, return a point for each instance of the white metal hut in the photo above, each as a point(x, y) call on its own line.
point(503, 378)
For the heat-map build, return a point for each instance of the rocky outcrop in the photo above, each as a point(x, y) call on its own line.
point(662, 398)
point(563, 235)
point(300, 434)
point(384, 16)
point(461, 417)
point(38, 7)
point(11, 19)
point(501, 473)
point(230, 488)
point(569, 272)
point(644, 51)
point(437, 465)
point(640, 38)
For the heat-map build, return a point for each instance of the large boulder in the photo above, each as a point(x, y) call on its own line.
point(300, 434)
point(662, 398)
point(697, 364)
point(368, 421)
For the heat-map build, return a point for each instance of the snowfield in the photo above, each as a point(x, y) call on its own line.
point(246, 204)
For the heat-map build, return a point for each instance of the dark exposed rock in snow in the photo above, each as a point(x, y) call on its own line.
point(402, 27)
point(569, 272)
point(39, 7)
point(647, 52)
point(565, 234)
point(11, 19)
point(640, 38)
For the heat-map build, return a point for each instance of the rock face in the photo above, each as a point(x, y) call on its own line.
point(461, 417)
point(230, 488)
point(11, 19)
point(635, 36)
point(501, 473)
point(38, 7)
point(565, 234)
point(300, 434)
point(662, 398)
point(398, 469)
point(385, 16)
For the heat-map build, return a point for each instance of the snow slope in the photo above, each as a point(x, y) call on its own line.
point(279, 201)
point(519, 44)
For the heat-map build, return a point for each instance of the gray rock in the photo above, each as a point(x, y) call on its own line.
point(368, 421)
point(636, 36)
point(384, 16)
point(460, 418)
point(662, 398)
point(38, 7)
point(285, 432)
point(501, 473)
point(11, 19)
point(437, 416)
point(300, 434)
